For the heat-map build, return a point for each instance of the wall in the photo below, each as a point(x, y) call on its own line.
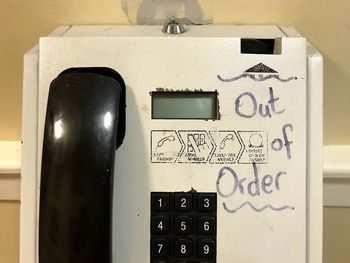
point(9, 232)
point(325, 23)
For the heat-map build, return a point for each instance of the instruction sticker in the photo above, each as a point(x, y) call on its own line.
point(214, 147)
point(199, 146)
point(228, 147)
point(166, 146)
point(255, 147)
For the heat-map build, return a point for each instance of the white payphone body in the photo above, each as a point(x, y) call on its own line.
point(207, 126)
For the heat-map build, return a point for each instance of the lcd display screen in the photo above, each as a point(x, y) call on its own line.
point(184, 105)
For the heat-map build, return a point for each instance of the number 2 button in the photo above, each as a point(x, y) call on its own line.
point(183, 202)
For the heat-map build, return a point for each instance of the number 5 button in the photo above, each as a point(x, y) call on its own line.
point(183, 202)
point(183, 225)
point(207, 202)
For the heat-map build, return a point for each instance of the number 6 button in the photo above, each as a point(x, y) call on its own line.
point(206, 225)
point(183, 202)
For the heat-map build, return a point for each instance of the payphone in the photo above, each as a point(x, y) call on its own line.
point(140, 146)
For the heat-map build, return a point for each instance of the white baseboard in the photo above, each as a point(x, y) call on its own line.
point(10, 169)
point(336, 173)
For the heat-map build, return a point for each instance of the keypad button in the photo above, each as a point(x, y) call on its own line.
point(183, 248)
point(160, 202)
point(160, 224)
point(206, 202)
point(160, 248)
point(206, 225)
point(183, 202)
point(159, 261)
point(206, 248)
point(183, 225)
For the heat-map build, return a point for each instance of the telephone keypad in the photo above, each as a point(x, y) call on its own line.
point(183, 227)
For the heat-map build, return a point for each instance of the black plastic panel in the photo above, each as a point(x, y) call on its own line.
point(183, 227)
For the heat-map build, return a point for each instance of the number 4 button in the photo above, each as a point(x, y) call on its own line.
point(206, 202)
point(160, 224)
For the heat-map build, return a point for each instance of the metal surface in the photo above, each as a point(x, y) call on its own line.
point(173, 26)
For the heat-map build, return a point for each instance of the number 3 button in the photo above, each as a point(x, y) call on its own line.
point(183, 202)
point(206, 202)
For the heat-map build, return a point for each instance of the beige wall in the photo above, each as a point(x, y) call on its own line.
point(9, 232)
point(326, 24)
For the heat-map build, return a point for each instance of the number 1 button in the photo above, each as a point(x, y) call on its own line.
point(183, 202)
point(160, 202)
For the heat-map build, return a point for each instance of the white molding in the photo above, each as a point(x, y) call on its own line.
point(336, 161)
point(10, 169)
point(10, 157)
point(336, 173)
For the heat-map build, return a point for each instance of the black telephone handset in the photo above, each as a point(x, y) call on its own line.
point(85, 122)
